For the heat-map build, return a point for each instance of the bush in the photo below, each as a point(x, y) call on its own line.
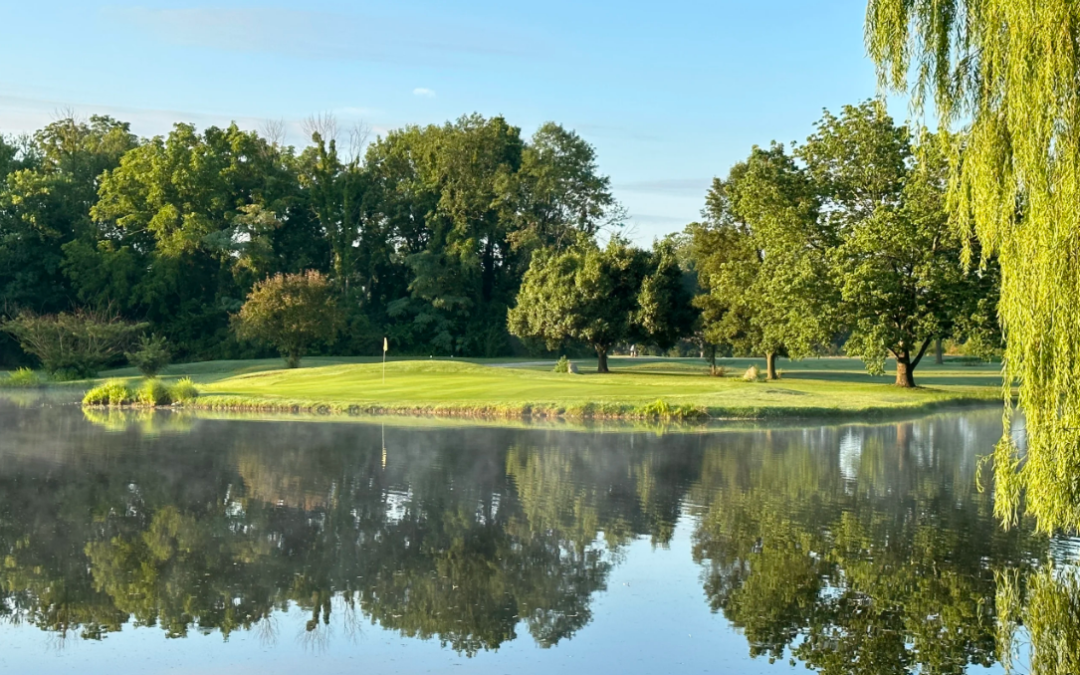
point(183, 391)
point(151, 356)
point(751, 374)
point(290, 312)
point(111, 393)
point(154, 393)
point(718, 371)
point(23, 377)
point(661, 409)
point(562, 365)
point(72, 345)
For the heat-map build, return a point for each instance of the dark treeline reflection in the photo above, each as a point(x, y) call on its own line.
point(454, 534)
point(851, 549)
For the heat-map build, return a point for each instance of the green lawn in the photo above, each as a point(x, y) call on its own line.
point(501, 387)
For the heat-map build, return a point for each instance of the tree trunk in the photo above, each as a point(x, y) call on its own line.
point(293, 360)
point(601, 359)
point(770, 366)
point(905, 373)
point(905, 365)
point(712, 359)
point(939, 354)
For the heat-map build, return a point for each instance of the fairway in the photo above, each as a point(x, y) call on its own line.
point(810, 388)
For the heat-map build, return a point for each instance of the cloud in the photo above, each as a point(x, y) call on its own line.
point(424, 92)
point(668, 186)
point(327, 35)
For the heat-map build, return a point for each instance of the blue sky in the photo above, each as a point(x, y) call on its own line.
point(670, 94)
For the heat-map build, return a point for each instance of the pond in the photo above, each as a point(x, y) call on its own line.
point(165, 543)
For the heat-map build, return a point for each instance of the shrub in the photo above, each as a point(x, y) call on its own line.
point(23, 377)
point(154, 393)
point(72, 344)
point(562, 365)
point(718, 371)
point(290, 312)
point(751, 374)
point(111, 393)
point(151, 356)
point(183, 391)
point(660, 409)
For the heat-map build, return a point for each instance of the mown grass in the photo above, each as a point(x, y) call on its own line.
point(638, 388)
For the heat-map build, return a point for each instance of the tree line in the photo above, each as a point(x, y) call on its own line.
point(843, 240)
point(424, 236)
point(467, 239)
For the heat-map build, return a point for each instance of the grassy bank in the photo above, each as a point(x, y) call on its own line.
point(638, 388)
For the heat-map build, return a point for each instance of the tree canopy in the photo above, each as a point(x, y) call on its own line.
point(585, 293)
point(424, 235)
point(846, 236)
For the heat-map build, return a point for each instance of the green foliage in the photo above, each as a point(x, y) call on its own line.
point(73, 344)
point(290, 312)
point(424, 238)
point(111, 393)
point(662, 410)
point(183, 391)
point(151, 356)
point(154, 392)
point(47, 185)
point(562, 365)
point(23, 377)
point(761, 259)
point(999, 68)
point(585, 293)
point(898, 263)
point(664, 313)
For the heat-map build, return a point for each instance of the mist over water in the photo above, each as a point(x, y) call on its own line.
point(173, 543)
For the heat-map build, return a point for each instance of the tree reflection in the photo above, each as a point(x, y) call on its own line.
point(881, 558)
point(850, 549)
point(461, 536)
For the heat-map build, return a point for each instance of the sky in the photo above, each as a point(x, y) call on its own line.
point(670, 94)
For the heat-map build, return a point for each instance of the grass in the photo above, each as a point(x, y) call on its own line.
point(638, 388)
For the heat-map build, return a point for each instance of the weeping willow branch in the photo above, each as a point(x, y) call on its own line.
point(1008, 71)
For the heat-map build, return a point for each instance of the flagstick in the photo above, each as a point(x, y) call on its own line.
point(384, 346)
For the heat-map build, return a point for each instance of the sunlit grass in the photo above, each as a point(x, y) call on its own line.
point(815, 387)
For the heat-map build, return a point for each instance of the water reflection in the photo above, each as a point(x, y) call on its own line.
point(880, 558)
point(850, 549)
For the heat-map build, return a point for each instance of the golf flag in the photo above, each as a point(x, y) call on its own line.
point(385, 345)
point(385, 348)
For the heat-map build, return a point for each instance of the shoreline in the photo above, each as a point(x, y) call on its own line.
point(690, 415)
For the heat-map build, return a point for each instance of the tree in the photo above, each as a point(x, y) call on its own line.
point(585, 293)
point(291, 312)
point(1003, 69)
point(185, 222)
point(665, 314)
point(73, 344)
point(761, 259)
point(898, 263)
point(562, 193)
point(45, 203)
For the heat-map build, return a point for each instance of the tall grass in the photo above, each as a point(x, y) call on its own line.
point(184, 391)
point(111, 393)
point(23, 377)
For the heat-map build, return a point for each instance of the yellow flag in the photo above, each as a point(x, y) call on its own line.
point(385, 345)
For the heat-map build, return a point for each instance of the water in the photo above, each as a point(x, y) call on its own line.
point(163, 543)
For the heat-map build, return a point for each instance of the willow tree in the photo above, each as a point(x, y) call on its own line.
point(1007, 69)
